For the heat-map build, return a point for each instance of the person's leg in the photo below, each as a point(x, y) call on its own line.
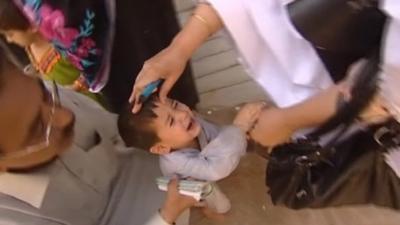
point(217, 200)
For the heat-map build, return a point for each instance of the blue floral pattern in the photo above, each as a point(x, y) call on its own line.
point(78, 44)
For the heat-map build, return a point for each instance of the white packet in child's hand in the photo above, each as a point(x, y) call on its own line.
point(193, 188)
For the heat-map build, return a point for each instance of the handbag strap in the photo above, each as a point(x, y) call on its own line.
point(362, 92)
point(387, 134)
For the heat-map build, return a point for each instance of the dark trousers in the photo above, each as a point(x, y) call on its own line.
point(340, 32)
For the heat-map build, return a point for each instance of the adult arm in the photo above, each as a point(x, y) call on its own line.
point(175, 204)
point(276, 125)
point(171, 61)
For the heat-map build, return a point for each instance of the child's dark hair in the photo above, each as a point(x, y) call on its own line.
point(11, 17)
point(136, 129)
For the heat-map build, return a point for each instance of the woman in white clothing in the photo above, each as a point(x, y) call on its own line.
point(271, 45)
point(371, 172)
point(289, 67)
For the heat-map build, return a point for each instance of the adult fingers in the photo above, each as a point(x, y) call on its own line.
point(135, 100)
point(173, 185)
point(166, 87)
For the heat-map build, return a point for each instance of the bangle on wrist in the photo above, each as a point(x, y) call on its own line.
point(203, 2)
point(204, 22)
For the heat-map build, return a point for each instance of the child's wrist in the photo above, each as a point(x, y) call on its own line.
point(243, 127)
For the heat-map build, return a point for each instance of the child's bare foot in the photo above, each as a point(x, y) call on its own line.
point(211, 214)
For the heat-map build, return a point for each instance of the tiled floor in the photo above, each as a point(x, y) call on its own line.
point(221, 81)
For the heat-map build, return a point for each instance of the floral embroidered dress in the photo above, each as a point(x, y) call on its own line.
point(55, 67)
point(81, 32)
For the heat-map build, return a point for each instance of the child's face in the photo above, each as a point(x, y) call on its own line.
point(175, 124)
point(19, 37)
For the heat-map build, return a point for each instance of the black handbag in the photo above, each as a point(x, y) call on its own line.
point(295, 171)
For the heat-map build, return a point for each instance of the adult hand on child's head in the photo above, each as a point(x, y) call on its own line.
point(168, 65)
point(175, 203)
point(271, 128)
point(248, 115)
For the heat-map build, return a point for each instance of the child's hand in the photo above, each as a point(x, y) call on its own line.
point(248, 115)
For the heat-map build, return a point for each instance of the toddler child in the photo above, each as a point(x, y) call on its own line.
point(189, 146)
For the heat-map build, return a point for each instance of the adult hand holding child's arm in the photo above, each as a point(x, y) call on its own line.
point(271, 128)
point(276, 125)
point(248, 116)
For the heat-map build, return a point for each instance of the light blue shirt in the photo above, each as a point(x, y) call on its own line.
point(220, 153)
